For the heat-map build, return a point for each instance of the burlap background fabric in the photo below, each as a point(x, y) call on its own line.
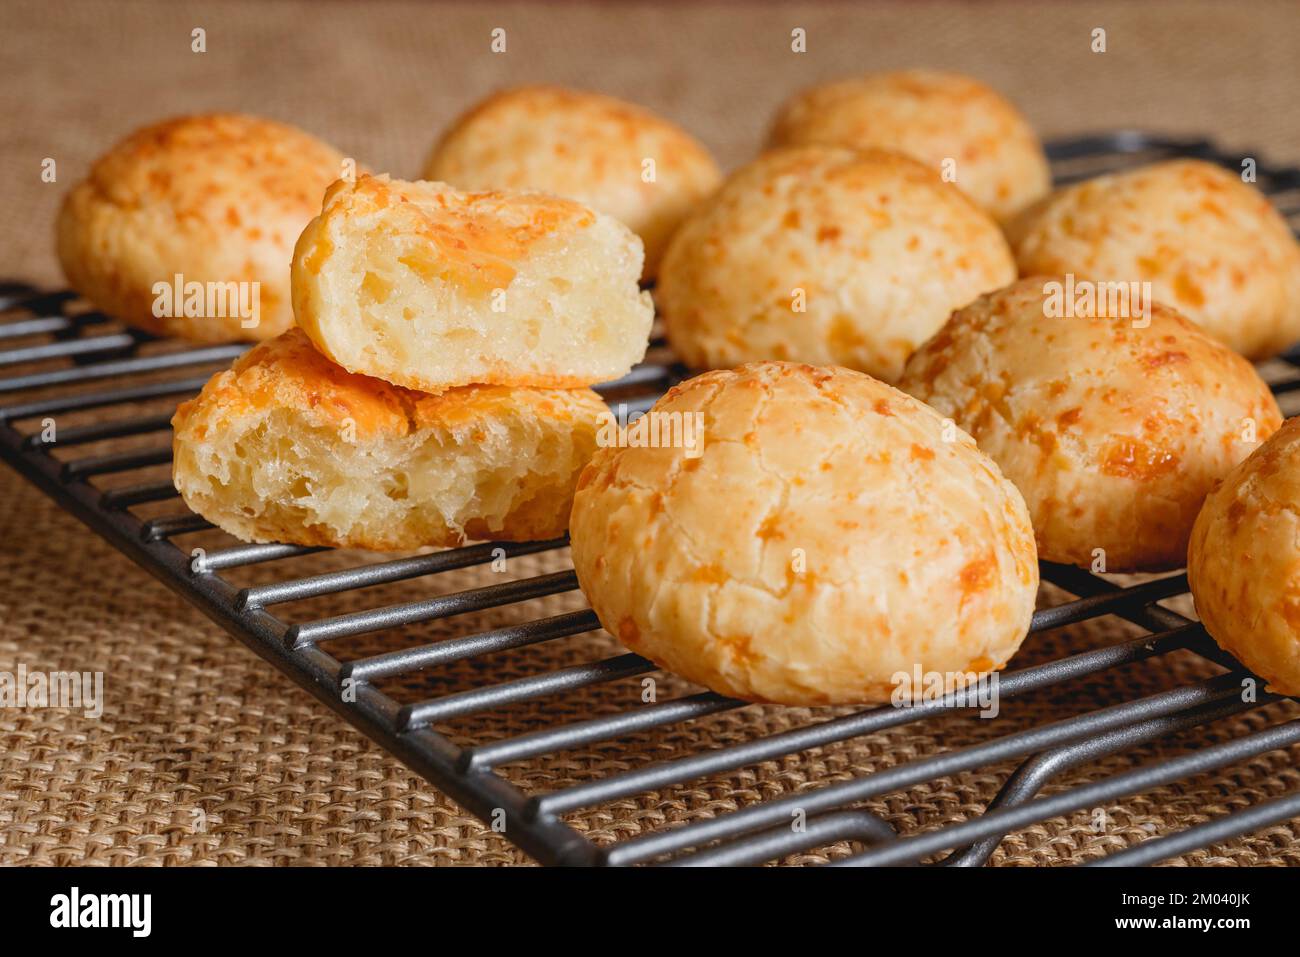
point(193, 720)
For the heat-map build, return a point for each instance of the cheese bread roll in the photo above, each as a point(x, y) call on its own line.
point(185, 228)
point(1114, 421)
point(821, 538)
point(955, 125)
point(1212, 247)
point(610, 155)
point(826, 256)
point(288, 447)
point(430, 288)
point(1244, 561)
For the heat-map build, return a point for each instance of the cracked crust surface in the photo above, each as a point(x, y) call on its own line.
point(285, 437)
point(1114, 432)
point(1244, 561)
point(584, 146)
point(933, 117)
point(1211, 247)
point(215, 198)
point(828, 256)
point(826, 538)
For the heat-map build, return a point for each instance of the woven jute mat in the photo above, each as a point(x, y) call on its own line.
point(206, 755)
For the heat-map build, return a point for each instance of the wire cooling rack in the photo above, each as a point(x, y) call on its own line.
point(64, 361)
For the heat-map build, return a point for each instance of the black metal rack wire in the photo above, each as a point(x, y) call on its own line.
point(112, 371)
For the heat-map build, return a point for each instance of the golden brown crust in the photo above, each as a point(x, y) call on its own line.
point(585, 146)
point(935, 118)
point(283, 407)
point(432, 288)
point(1211, 246)
point(825, 538)
point(827, 256)
point(474, 239)
point(1244, 561)
point(1113, 429)
point(215, 198)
